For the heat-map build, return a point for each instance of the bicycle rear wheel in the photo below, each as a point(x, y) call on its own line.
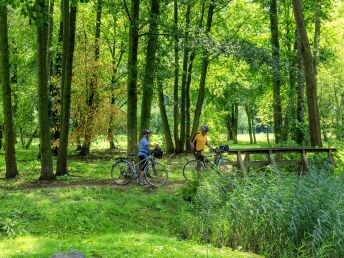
point(122, 172)
point(192, 169)
point(156, 174)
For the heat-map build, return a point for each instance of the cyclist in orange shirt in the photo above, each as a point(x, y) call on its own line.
point(199, 141)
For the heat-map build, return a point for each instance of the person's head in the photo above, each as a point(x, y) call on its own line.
point(204, 129)
point(146, 132)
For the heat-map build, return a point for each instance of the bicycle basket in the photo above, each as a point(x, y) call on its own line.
point(224, 147)
point(157, 153)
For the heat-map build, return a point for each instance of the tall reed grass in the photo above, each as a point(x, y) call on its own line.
point(272, 214)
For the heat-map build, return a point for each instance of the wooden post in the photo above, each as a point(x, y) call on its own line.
point(241, 164)
point(305, 165)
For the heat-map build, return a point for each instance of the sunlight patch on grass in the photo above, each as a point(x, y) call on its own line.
point(113, 245)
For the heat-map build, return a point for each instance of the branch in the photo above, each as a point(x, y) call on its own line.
point(127, 10)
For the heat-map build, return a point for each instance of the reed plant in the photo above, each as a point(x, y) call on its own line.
point(272, 214)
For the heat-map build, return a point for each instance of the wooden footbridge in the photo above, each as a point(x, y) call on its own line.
point(274, 157)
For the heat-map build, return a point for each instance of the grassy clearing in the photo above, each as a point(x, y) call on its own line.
point(98, 221)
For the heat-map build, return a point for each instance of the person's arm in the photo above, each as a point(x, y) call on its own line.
point(208, 144)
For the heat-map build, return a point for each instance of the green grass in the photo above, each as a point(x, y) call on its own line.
point(98, 221)
point(86, 212)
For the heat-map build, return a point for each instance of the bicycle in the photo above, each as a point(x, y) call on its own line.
point(125, 170)
point(193, 168)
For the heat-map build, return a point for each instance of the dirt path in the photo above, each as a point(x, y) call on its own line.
point(87, 183)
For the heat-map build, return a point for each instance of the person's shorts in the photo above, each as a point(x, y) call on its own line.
point(143, 165)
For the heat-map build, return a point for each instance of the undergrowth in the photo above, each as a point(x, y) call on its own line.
point(271, 213)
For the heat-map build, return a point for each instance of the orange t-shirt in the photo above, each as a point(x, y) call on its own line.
point(199, 142)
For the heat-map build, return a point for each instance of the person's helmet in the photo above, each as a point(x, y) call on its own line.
point(204, 128)
point(146, 131)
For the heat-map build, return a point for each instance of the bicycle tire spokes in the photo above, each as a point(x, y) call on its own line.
point(156, 174)
point(192, 170)
point(121, 172)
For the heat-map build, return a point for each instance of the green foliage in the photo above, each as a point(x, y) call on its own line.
point(272, 215)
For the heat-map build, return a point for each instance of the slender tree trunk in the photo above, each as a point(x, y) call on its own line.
point(276, 71)
point(54, 89)
point(229, 128)
point(187, 88)
point(183, 132)
point(253, 131)
point(164, 119)
point(312, 99)
point(148, 79)
point(62, 166)
point(132, 77)
point(204, 68)
point(300, 137)
point(10, 157)
point(42, 43)
point(249, 119)
point(176, 81)
point(92, 106)
point(1, 132)
point(316, 36)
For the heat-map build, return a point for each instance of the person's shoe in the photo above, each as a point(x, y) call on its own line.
point(142, 182)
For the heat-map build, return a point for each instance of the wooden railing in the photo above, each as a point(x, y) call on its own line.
point(274, 157)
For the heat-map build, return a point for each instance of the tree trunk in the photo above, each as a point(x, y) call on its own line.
point(85, 149)
point(69, 35)
point(316, 37)
point(164, 119)
point(1, 126)
point(148, 79)
point(42, 43)
point(249, 119)
point(205, 62)
point(253, 131)
point(299, 134)
point(10, 157)
point(132, 77)
point(54, 89)
point(276, 71)
point(229, 128)
point(183, 132)
point(187, 88)
point(312, 99)
point(176, 82)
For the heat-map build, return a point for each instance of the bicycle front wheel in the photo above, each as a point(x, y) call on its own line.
point(121, 172)
point(192, 169)
point(156, 174)
point(225, 167)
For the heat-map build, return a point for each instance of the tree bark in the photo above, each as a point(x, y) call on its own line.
point(276, 71)
point(249, 119)
point(42, 43)
point(70, 19)
point(316, 37)
point(204, 68)
point(176, 82)
point(54, 89)
point(183, 132)
point(10, 157)
point(299, 134)
point(312, 99)
point(148, 79)
point(187, 88)
point(164, 119)
point(132, 77)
